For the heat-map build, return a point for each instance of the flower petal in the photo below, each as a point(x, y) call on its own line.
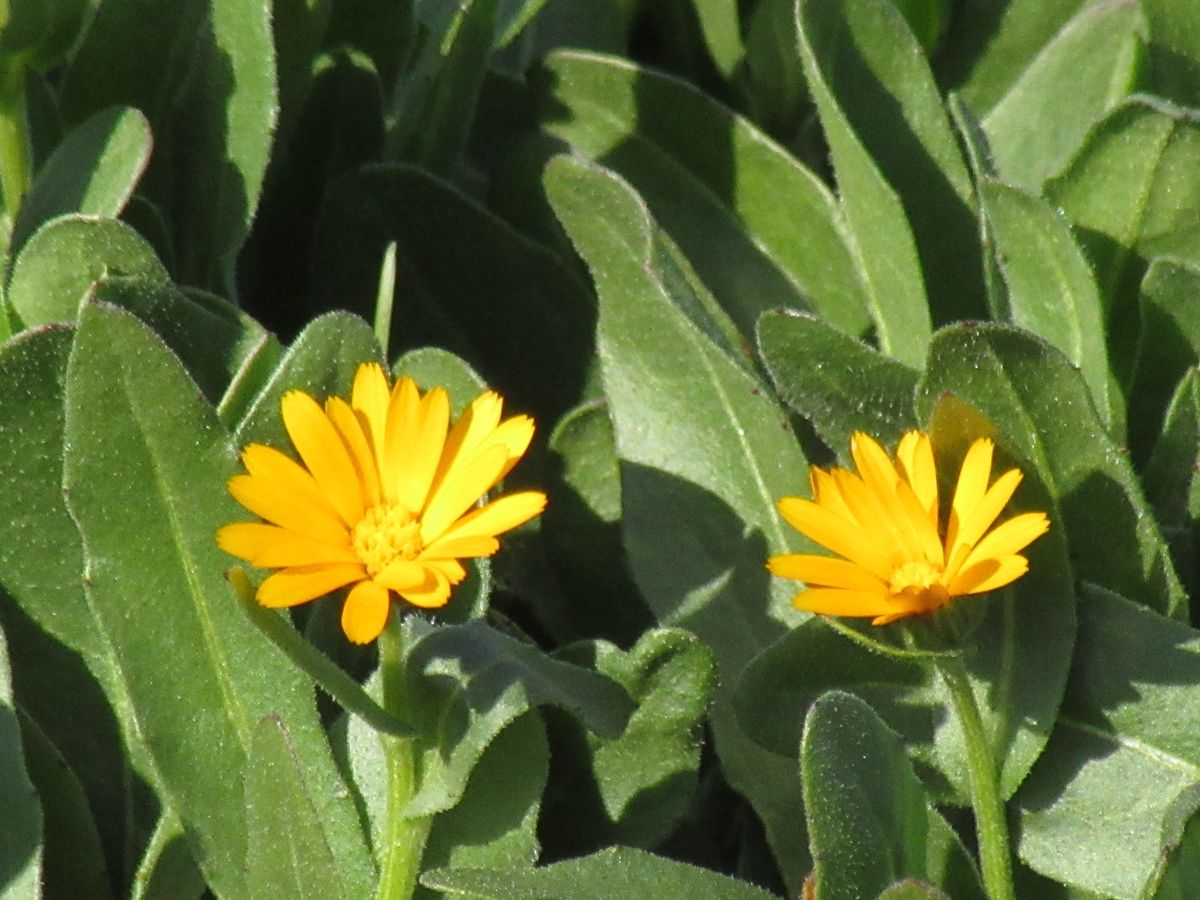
point(498, 516)
point(465, 547)
point(980, 519)
point(1008, 538)
point(365, 612)
point(915, 457)
point(989, 574)
point(269, 546)
point(466, 484)
point(270, 464)
point(432, 418)
point(271, 500)
point(369, 396)
point(352, 427)
point(826, 571)
point(829, 601)
point(318, 443)
point(299, 584)
point(434, 596)
point(835, 533)
point(403, 574)
point(400, 435)
point(969, 491)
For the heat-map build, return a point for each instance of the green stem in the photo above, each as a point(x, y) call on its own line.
point(15, 152)
point(403, 838)
point(991, 826)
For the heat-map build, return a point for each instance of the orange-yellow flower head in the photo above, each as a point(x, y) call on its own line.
point(884, 522)
point(383, 498)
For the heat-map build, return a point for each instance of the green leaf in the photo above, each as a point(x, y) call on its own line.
point(720, 25)
point(581, 531)
point(1182, 870)
point(774, 692)
point(440, 93)
point(1034, 397)
point(41, 566)
point(465, 683)
point(634, 789)
point(772, 76)
point(838, 383)
point(1018, 652)
point(619, 873)
point(1051, 290)
point(1168, 346)
point(704, 452)
point(203, 72)
point(771, 236)
point(989, 46)
point(20, 810)
point(289, 854)
point(73, 861)
point(93, 171)
point(1174, 45)
point(1043, 117)
point(145, 473)
point(905, 188)
point(513, 286)
point(1131, 195)
point(167, 870)
point(321, 361)
point(1172, 486)
point(495, 822)
point(1121, 775)
point(59, 264)
point(859, 792)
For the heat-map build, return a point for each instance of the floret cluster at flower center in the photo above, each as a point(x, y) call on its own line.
point(920, 578)
point(387, 532)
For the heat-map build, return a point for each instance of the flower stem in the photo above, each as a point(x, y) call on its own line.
point(403, 842)
point(15, 152)
point(991, 826)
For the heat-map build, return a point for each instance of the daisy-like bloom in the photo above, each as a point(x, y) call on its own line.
point(383, 498)
point(897, 560)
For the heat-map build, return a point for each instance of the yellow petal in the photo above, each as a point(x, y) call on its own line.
point(515, 434)
point(272, 501)
point(455, 495)
point(498, 516)
point(299, 584)
point(466, 547)
point(1008, 538)
point(401, 433)
point(479, 420)
point(841, 602)
point(451, 568)
point(369, 396)
point(969, 492)
point(835, 533)
point(403, 574)
point(989, 574)
point(269, 546)
point(365, 612)
point(908, 523)
point(826, 494)
point(915, 456)
point(880, 520)
point(423, 456)
point(292, 478)
point(317, 442)
point(980, 519)
point(435, 596)
point(826, 571)
point(352, 426)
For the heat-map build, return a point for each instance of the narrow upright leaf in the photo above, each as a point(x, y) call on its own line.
point(905, 188)
point(20, 810)
point(145, 475)
point(870, 819)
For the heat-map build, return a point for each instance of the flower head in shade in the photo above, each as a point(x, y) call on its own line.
point(383, 498)
point(900, 555)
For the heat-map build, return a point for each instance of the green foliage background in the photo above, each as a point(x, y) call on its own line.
point(701, 242)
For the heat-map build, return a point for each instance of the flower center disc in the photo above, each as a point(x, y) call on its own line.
point(919, 578)
point(387, 533)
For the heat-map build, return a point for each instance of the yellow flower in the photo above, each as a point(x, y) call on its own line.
point(884, 521)
point(382, 500)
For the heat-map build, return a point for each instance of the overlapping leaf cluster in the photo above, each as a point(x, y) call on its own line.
point(702, 242)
